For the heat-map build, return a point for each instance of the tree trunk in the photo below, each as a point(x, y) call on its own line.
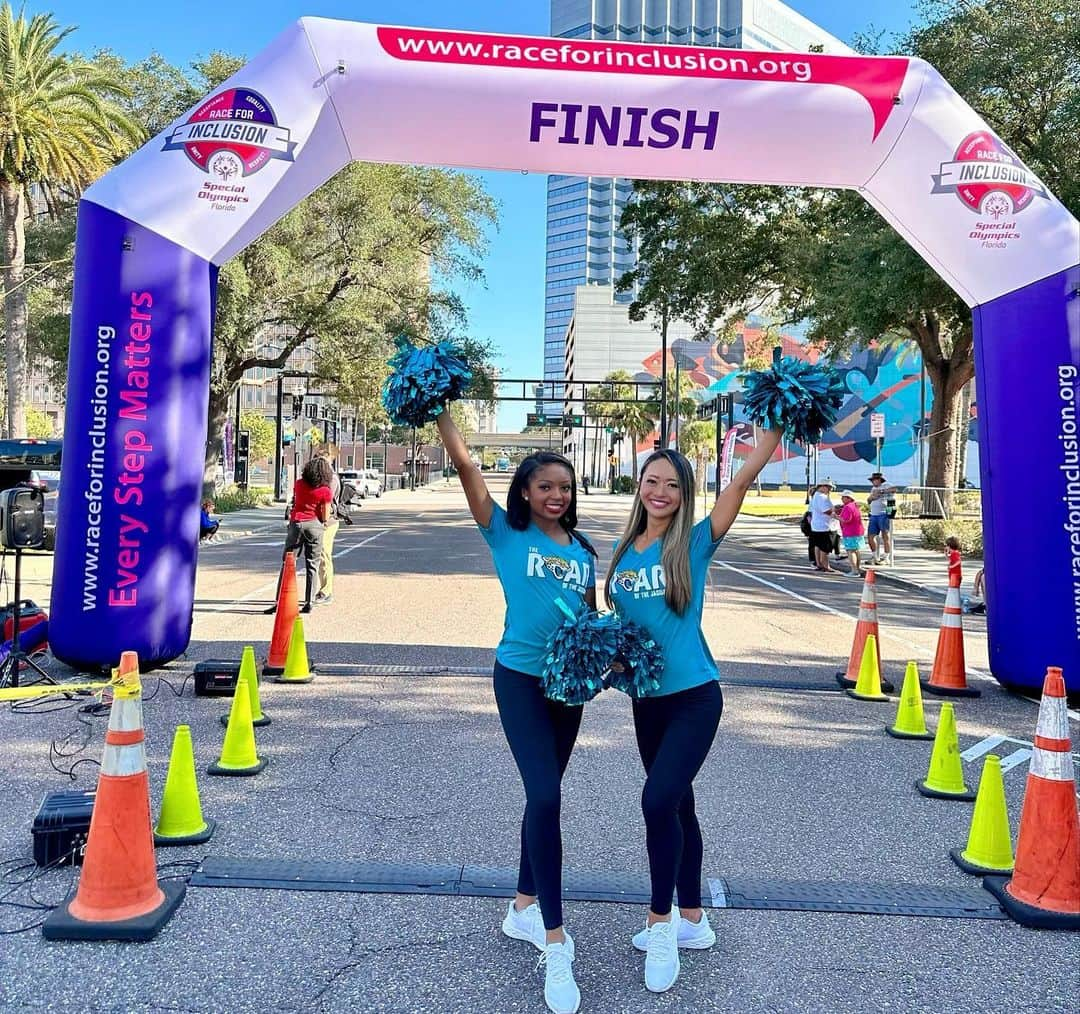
point(963, 425)
point(942, 440)
point(11, 197)
point(220, 402)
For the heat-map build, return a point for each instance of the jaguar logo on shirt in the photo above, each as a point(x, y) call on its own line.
point(572, 573)
point(645, 582)
point(625, 579)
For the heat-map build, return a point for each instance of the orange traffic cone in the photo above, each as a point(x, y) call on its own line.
point(867, 625)
point(1044, 890)
point(948, 677)
point(119, 897)
point(284, 618)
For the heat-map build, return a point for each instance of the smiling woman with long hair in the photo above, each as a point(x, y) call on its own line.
point(540, 558)
point(657, 579)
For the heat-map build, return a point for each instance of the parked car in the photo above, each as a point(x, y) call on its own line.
point(366, 481)
point(372, 482)
point(34, 462)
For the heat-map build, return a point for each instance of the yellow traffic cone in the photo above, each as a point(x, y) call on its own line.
point(247, 665)
point(910, 723)
point(989, 847)
point(945, 779)
point(868, 686)
point(297, 669)
point(181, 821)
point(238, 756)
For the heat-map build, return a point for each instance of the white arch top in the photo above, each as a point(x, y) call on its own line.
point(325, 93)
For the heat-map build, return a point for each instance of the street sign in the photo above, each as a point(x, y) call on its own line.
point(542, 419)
point(877, 425)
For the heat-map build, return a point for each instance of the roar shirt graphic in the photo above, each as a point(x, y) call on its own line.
point(534, 571)
point(637, 590)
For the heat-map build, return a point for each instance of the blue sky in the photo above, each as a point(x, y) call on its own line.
point(509, 310)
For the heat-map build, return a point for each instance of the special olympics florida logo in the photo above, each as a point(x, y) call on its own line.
point(988, 178)
point(232, 133)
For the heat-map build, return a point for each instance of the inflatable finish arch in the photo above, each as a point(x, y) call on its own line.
point(153, 232)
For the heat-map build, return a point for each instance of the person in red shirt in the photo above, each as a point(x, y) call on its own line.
point(312, 495)
point(952, 551)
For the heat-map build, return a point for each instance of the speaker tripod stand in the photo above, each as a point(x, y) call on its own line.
point(17, 659)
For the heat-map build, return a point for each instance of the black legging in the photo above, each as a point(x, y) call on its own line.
point(541, 734)
point(674, 734)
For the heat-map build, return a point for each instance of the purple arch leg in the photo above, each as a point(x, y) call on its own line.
point(134, 437)
point(1027, 358)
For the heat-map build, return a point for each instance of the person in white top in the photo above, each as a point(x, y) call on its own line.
point(880, 519)
point(821, 512)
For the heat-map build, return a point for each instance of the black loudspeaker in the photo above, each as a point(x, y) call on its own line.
point(22, 518)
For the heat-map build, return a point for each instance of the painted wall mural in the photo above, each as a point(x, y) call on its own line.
point(884, 380)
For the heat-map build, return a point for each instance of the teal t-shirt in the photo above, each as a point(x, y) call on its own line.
point(637, 590)
point(534, 571)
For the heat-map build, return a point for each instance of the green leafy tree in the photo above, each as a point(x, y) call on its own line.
point(364, 258)
point(697, 440)
point(828, 258)
point(261, 433)
point(60, 128)
point(38, 424)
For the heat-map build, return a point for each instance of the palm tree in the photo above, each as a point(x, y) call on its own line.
point(59, 130)
point(680, 402)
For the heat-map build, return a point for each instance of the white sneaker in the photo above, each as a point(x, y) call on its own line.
point(561, 992)
point(527, 925)
point(694, 936)
point(662, 954)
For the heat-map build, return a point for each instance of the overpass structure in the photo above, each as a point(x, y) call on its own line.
point(551, 439)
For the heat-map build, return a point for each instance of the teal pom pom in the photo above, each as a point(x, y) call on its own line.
point(580, 652)
point(642, 662)
point(798, 397)
point(424, 378)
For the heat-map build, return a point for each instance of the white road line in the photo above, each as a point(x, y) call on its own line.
point(263, 588)
point(1016, 757)
point(836, 612)
point(983, 746)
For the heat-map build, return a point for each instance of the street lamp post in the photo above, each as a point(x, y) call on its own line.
point(663, 378)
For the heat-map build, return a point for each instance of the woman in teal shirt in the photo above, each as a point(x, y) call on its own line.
point(657, 579)
point(540, 558)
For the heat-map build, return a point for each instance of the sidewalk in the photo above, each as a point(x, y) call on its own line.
point(913, 566)
point(248, 521)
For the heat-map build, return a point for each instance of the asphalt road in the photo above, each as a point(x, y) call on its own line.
point(376, 761)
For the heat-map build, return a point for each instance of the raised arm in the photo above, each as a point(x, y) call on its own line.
point(730, 500)
point(472, 480)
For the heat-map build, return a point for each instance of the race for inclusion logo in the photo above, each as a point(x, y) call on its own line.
point(988, 178)
point(232, 134)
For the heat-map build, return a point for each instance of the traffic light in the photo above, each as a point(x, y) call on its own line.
point(243, 443)
point(297, 405)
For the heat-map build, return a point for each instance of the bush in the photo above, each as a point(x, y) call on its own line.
point(934, 534)
point(235, 499)
point(625, 484)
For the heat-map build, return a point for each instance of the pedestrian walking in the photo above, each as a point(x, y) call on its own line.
point(882, 499)
point(657, 580)
point(851, 530)
point(335, 515)
point(309, 513)
point(821, 512)
point(540, 560)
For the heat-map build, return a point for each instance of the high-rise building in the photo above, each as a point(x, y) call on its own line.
point(584, 243)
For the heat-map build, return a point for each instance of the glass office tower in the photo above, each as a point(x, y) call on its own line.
point(584, 244)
